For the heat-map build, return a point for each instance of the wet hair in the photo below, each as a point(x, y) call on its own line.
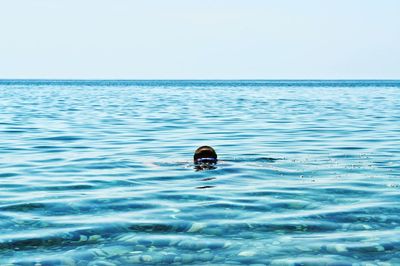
point(205, 154)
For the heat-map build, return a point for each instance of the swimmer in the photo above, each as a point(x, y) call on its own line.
point(205, 157)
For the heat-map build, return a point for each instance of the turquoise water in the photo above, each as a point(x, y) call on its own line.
point(100, 173)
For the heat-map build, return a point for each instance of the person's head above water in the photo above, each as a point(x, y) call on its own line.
point(205, 154)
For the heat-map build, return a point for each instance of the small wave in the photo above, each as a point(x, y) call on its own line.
point(4, 175)
point(60, 138)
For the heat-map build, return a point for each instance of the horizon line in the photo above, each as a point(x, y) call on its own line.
point(156, 79)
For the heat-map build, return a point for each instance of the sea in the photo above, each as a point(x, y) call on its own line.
point(101, 173)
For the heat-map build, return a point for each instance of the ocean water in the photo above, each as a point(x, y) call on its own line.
point(100, 173)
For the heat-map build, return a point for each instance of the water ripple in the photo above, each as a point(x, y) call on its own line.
point(99, 173)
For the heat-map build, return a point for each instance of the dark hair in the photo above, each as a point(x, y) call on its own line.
point(205, 152)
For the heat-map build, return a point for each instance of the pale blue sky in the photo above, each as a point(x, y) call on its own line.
point(200, 39)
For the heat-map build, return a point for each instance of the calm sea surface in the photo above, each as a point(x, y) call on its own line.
point(100, 173)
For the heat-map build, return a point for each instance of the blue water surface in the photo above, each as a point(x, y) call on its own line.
point(100, 173)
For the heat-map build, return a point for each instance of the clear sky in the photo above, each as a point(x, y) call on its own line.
point(200, 39)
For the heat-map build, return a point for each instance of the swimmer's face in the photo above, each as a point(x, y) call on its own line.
point(205, 155)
